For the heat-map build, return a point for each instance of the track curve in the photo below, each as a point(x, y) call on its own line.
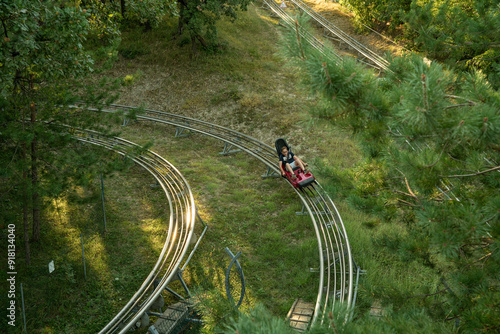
point(180, 228)
point(336, 271)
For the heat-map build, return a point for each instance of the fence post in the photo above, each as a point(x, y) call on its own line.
point(24, 314)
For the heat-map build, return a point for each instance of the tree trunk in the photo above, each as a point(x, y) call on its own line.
point(25, 209)
point(202, 41)
point(122, 7)
point(25, 199)
point(193, 45)
point(182, 17)
point(34, 179)
point(35, 197)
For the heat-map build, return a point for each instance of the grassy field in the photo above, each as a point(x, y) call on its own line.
point(248, 88)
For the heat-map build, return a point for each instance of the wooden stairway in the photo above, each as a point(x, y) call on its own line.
point(172, 319)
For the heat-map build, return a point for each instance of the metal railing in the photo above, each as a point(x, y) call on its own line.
point(289, 21)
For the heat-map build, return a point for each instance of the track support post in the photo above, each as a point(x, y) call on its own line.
point(227, 149)
point(270, 173)
point(179, 132)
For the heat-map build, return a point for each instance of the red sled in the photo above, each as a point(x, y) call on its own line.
point(301, 179)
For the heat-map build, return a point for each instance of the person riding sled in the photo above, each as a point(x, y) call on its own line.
point(288, 161)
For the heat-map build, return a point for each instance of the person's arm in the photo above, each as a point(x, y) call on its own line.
point(281, 168)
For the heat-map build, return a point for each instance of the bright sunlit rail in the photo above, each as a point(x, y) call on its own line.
point(180, 227)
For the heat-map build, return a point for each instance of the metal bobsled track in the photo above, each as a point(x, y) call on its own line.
point(337, 272)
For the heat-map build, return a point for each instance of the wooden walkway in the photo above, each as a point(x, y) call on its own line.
point(300, 315)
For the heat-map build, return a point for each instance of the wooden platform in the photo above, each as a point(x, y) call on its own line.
point(376, 310)
point(300, 315)
point(172, 318)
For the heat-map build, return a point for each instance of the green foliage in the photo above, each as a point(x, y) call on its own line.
point(148, 12)
point(213, 307)
point(455, 29)
point(31, 48)
point(199, 17)
point(380, 13)
point(43, 73)
point(258, 321)
point(103, 19)
point(430, 135)
point(411, 320)
point(461, 33)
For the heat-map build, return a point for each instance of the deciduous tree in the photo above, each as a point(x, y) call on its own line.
point(199, 17)
point(42, 65)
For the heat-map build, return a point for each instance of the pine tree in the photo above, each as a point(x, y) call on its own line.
point(431, 137)
point(461, 33)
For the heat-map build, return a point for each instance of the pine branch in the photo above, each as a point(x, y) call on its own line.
point(407, 203)
point(475, 174)
point(5, 29)
point(409, 190)
point(298, 39)
point(326, 73)
point(431, 294)
point(424, 91)
point(402, 193)
point(395, 178)
point(460, 97)
point(468, 104)
point(48, 164)
point(486, 256)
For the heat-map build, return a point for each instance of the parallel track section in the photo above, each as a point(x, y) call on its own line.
point(289, 21)
point(180, 228)
point(368, 56)
point(336, 264)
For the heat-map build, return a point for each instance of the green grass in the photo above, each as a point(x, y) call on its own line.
point(116, 261)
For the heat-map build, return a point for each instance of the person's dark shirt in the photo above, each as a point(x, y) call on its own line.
point(288, 159)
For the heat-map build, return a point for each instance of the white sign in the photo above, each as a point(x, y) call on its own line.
point(283, 5)
point(51, 266)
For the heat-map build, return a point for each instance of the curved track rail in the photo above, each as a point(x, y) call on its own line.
point(336, 264)
point(180, 228)
point(366, 56)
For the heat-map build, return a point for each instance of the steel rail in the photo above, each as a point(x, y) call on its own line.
point(320, 46)
point(333, 234)
point(310, 38)
point(180, 231)
point(341, 236)
point(329, 228)
point(378, 61)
